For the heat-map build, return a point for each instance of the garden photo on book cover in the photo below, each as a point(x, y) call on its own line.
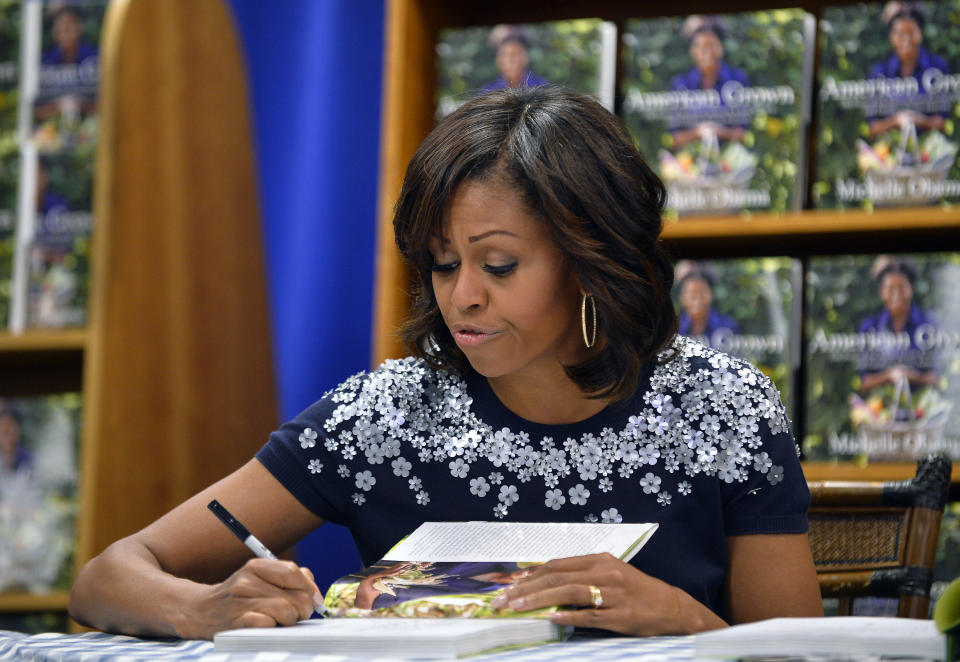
point(889, 87)
point(882, 357)
point(717, 104)
point(475, 60)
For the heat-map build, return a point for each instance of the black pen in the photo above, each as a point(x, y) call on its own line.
point(250, 540)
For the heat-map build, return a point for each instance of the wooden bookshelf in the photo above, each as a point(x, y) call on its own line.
point(67, 340)
point(175, 365)
point(27, 602)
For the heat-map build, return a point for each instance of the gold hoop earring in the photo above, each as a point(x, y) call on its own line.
point(588, 339)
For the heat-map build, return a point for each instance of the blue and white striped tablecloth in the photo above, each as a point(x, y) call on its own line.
point(99, 647)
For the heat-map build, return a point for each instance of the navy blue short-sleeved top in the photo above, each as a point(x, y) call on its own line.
point(703, 448)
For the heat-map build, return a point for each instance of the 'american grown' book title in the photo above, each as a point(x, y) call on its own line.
point(888, 92)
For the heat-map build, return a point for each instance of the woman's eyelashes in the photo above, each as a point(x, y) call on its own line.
point(500, 270)
point(493, 269)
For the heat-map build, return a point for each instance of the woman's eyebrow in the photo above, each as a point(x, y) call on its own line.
point(478, 237)
point(475, 238)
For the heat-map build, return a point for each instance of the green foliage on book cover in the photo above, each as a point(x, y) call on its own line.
point(760, 171)
point(844, 421)
point(857, 167)
point(562, 52)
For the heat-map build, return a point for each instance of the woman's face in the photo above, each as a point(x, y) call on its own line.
point(905, 38)
point(67, 30)
point(706, 51)
point(896, 293)
point(696, 297)
point(512, 61)
point(503, 287)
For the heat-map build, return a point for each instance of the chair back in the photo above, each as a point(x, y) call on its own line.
point(880, 538)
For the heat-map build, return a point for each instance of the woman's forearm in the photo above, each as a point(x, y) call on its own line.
point(124, 589)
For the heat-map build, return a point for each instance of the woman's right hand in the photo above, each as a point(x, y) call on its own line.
point(263, 593)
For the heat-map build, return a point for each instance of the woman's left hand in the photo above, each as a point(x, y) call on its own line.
point(630, 601)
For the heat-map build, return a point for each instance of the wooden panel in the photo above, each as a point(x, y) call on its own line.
point(179, 382)
point(409, 82)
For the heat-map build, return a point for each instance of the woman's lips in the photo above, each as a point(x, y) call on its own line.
point(473, 337)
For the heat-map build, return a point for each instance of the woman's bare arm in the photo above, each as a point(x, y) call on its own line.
point(187, 575)
point(771, 576)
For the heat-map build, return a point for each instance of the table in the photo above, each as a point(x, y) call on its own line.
point(100, 647)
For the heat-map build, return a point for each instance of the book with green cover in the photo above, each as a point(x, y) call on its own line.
point(882, 357)
point(888, 105)
point(718, 104)
point(9, 164)
point(38, 491)
point(579, 54)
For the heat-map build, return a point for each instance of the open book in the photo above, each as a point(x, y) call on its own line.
point(443, 569)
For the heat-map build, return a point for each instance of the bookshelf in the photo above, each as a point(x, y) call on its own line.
point(175, 364)
point(408, 116)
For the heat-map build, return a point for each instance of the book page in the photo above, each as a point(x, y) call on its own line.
point(519, 541)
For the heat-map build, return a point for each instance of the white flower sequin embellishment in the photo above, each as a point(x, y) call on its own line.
point(508, 495)
point(579, 494)
point(554, 499)
point(365, 480)
point(401, 467)
point(308, 438)
point(611, 516)
point(479, 486)
point(650, 483)
point(315, 466)
point(459, 468)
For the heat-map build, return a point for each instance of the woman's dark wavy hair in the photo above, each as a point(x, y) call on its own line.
point(579, 172)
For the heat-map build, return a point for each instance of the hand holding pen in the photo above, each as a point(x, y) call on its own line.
point(260, 550)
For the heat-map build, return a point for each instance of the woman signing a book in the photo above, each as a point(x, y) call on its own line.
point(546, 383)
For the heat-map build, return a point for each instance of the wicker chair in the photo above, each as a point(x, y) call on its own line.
point(880, 538)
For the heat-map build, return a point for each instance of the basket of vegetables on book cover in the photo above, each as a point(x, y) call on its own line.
point(896, 424)
point(913, 166)
point(704, 166)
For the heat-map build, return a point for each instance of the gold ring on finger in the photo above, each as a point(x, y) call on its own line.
point(596, 599)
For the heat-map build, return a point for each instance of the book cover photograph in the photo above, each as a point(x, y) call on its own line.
point(426, 589)
point(748, 308)
point(579, 54)
point(718, 105)
point(10, 25)
point(65, 108)
point(882, 357)
point(38, 481)
point(9, 164)
point(887, 105)
point(59, 264)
